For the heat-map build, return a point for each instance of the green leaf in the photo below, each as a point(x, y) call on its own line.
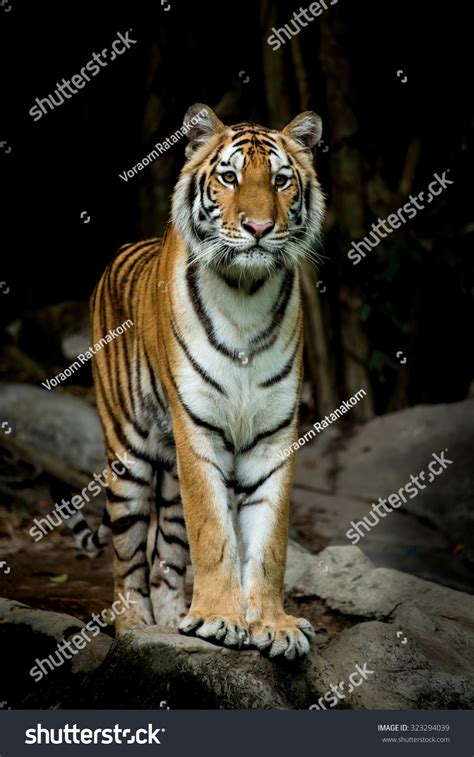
point(61, 579)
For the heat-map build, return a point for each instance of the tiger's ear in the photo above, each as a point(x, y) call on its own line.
point(200, 123)
point(306, 129)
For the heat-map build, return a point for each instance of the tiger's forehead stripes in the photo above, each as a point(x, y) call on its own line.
point(239, 153)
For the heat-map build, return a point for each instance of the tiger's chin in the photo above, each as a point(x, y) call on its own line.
point(254, 263)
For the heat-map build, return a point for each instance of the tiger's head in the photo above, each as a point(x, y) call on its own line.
point(248, 200)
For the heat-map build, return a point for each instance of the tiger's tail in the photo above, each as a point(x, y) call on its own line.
point(91, 541)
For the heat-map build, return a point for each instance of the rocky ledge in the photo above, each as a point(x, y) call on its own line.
point(411, 640)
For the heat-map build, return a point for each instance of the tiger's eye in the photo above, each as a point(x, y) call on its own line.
point(280, 180)
point(229, 177)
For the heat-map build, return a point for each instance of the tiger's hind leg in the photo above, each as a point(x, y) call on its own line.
point(170, 555)
point(128, 507)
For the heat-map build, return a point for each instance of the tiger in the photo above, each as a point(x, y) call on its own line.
point(203, 391)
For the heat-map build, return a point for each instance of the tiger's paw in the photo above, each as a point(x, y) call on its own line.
point(283, 635)
point(230, 630)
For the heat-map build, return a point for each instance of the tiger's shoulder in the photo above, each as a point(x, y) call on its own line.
point(137, 250)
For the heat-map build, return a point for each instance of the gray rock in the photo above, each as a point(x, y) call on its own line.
point(76, 343)
point(63, 426)
point(342, 472)
point(347, 580)
point(162, 667)
point(397, 675)
point(413, 639)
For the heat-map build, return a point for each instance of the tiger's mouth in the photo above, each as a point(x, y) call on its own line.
point(255, 261)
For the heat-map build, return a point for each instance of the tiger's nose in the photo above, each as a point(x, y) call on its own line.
point(257, 228)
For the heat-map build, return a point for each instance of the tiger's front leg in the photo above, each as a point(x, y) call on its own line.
point(263, 511)
point(217, 610)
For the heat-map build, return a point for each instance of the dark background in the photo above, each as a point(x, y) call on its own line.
point(386, 139)
point(382, 140)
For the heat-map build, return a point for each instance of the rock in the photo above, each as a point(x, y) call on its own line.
point(76, 343)
point(43, 331)
point(63, 426)
point(184, 672)
point(349, 582)
point(397, 675)
point(299, 561)
point(342, 472)
point(412, 639)
point(28, 634)
point(15, 362)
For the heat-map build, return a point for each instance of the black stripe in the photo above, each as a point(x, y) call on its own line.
point(170, 502)
point(265, 434)
point(226, 481)
point(251, 488)
point(163, 580)
point(193, 289)
point(192, 191)
point(81, 526)
point(121, 525)
point(129, 476)
point(256, 286)
point(117, 428)
point(203, 373)
point(131, 570)
point(139, 548)
point(125, 255)
point(195, 418)
point(143, 592)
point(122, 345)
point(285, 371)
point(278, 309)
point(175, 519)
point(153, 381)
point(172, 539)
point(113, 497)
point(85, 539)
point(97, 542)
